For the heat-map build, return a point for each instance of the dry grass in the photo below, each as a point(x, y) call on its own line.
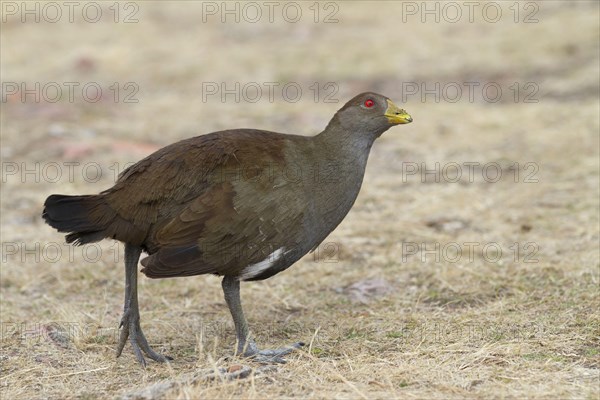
point(474, 328)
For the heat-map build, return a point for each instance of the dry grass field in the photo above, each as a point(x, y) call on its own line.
point(436, 286)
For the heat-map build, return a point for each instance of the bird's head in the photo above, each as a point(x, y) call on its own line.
point(371, 113)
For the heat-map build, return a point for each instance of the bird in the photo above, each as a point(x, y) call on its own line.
point(243, 204)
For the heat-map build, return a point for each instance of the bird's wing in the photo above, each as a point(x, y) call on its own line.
point(228, 227)
point(166, 179)
point(158, 187)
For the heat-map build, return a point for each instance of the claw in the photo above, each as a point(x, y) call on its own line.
point(270, 356)
point(131, 329)
point(122, 338)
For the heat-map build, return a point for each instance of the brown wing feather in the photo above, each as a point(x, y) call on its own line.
point(157, 188)
point(223, 231)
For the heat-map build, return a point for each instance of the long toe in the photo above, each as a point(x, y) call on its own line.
point(136, 350)
point(130, 329)
point(275, 356)
point(122, 338)
point(140, 344)
point(149, 351)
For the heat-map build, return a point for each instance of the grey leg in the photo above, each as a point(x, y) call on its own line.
point(130, 322)
point(245, 343)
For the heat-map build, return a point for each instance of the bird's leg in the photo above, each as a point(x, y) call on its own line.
point(245, 343)
point(130, 322)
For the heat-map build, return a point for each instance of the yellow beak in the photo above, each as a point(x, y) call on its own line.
point(397, 115)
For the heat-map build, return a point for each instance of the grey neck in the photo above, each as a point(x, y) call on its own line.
point(341, 171)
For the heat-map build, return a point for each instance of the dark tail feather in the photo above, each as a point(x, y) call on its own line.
point(85, 218)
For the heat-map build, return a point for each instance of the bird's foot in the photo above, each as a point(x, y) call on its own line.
point(274, 356)
point(130, 328)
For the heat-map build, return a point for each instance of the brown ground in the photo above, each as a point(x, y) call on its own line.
point(383, 319)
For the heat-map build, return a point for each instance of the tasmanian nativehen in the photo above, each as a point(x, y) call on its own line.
point(244, 204)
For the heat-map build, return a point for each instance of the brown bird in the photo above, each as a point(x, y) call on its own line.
point(244, 204)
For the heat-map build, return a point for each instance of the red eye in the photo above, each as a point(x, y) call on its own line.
point(369, 103)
